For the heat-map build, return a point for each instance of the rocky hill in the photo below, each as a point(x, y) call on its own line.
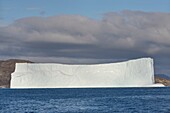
point(164, 81)
point(8, 66)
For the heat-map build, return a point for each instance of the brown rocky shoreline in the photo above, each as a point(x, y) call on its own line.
point(8, 66)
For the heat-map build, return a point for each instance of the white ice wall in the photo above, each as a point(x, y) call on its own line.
point(132, 73)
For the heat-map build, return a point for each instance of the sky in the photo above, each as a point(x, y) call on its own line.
point(86, 31)
point(11, 10)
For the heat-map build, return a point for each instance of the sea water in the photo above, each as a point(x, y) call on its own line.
point(85, 100)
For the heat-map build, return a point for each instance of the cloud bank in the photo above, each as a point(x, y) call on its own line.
point(116, 36)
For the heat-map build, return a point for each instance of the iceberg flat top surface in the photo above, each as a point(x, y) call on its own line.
point(132, 73)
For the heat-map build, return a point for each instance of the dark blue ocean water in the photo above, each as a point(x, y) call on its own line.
point(99, 100)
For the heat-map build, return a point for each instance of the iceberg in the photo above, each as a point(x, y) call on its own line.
point(132, 73)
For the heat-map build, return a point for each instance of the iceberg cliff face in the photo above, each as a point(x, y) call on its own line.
point(132, 73)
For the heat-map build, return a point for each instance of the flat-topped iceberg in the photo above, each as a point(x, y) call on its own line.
point(132, 73)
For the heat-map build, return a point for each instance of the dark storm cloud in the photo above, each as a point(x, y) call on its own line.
point(118, 35)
